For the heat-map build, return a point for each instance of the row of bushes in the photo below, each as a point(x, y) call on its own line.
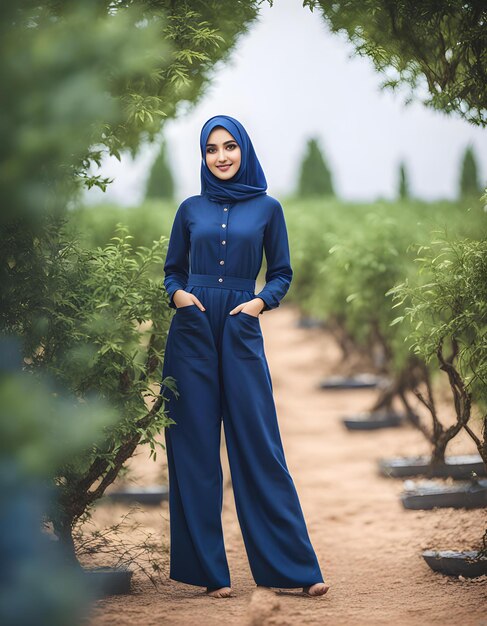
point(407, 282)
point(350, 260)
point(347, 258)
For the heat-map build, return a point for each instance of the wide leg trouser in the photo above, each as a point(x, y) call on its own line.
point(221, 371)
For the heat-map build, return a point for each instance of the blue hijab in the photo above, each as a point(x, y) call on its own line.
point(248, 182)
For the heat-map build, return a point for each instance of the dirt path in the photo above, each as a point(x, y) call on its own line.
point(368, 546)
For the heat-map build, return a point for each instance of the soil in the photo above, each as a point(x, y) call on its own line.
point(369, 547)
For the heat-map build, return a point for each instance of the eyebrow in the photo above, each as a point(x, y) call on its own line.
point(224, 143)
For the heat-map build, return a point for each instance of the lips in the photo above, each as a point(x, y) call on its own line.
point(223, 167)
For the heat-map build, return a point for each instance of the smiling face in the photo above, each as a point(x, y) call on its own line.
point(223, 155)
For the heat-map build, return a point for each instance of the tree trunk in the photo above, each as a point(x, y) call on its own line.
point(63, 530)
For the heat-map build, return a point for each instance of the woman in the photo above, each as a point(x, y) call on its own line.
point(215, 351)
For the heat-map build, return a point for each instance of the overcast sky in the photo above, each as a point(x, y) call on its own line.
point(290, 79)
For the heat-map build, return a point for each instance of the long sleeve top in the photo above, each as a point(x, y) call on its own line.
point(228, 239)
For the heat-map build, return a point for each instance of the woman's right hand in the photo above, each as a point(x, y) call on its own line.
point(183, 298)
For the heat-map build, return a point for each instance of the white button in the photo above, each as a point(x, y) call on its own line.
point(224, 225)
point(222, 262)
point(224, 242)
point(225, 209)
point(220, 280)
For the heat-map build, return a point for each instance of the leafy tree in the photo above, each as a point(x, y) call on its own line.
point(315, 176)
point(469, 185)
point(433, 47)
point(447, 321)
point(123, 70)
point(403, 182)
point(160, 184)
point(95, 322)
point(360, 268)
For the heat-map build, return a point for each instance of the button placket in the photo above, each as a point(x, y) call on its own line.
point(223, 242)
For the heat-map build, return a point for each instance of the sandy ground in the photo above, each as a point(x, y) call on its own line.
point(368, 546)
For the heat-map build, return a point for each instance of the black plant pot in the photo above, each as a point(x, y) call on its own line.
point(143, 495)
point(373, 420)
point(108, 581)
point(468, 495)
point(360, 381)
point(454, 563)
point(458, 467)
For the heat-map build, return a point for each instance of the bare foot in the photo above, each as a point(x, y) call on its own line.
point(222, 592)
point(318, 589)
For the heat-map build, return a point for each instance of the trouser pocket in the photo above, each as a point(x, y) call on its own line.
point(246, 335)
point(191, 333)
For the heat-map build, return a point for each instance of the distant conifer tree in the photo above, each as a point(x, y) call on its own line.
point(403, 182)
point(160, 183)
point(315, 177)
point(469, 182)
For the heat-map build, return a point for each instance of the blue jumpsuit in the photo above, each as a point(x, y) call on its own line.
point(218, 360)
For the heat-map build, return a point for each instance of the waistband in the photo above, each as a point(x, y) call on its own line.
point(221, 282)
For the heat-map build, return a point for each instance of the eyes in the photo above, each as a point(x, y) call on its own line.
point(230, 146)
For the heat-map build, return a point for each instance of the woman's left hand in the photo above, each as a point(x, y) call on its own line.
point(252, 307)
